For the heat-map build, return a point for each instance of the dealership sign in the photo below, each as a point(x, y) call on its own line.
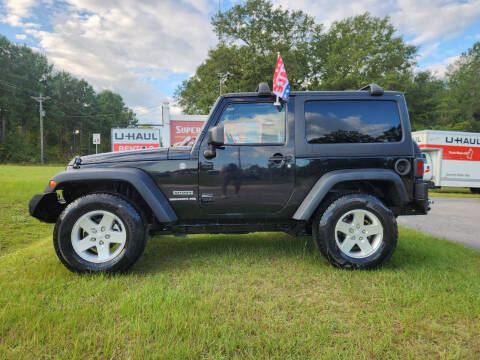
point(135, 139)
point(184, 133)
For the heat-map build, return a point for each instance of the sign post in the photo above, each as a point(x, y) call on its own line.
point(96, 141)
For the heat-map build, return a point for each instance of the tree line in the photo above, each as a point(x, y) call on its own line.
point(347, 55)
point(73, 112)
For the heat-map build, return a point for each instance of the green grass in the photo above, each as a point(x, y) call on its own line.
point(453, 192)
point(17, 185)
point(257, 296)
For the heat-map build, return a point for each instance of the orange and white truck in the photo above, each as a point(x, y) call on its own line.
point(452, 158)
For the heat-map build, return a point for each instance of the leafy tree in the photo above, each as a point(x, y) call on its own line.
point(112, 113)
point(23, 74)
point(360, 50)
point(464, 85)
point(73, 105)
point(250, 35)
point(352, 53)
point(425, 96)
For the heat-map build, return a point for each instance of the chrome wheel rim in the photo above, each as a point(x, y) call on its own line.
point(98, 236)
point(358, 233)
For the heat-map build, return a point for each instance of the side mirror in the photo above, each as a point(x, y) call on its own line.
point(216, 136)
point(215, 139)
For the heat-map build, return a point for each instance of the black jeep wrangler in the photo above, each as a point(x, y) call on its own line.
point(338, 165)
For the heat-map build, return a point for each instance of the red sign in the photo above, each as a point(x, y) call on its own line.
point(184, 133)
point(452, 152)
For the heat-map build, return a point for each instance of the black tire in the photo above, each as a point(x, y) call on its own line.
point(330, 198)
point(133, 221)
point(475, 190)
point(335, 209)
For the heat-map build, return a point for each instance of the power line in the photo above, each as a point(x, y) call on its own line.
point(94, 115)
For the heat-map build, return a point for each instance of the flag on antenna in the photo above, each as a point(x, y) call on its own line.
point(281, 87)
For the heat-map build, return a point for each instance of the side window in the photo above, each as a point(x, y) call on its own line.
point(253, 123)
point(352, 121)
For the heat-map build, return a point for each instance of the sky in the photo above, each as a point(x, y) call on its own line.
point(143, 49)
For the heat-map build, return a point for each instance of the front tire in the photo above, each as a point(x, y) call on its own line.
point(356, 231)
point(99, 232)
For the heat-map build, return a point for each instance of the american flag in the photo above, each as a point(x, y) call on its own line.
point(281, 87)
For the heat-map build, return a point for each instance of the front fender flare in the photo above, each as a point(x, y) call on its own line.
point(139, 179)
point(330, 179)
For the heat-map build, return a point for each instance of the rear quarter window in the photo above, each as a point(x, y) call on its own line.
point(352, 121)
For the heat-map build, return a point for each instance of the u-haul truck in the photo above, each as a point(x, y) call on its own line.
point(454, 157)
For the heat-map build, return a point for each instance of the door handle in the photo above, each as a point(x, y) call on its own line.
point(278, 157)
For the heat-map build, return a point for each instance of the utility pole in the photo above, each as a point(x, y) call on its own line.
point(40, 99)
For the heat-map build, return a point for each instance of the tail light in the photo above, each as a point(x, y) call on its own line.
point(419, 168)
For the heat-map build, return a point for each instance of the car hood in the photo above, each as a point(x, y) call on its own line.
point(136, 155)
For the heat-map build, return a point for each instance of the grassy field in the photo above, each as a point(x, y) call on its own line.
point(453, 192)
point(263, 295)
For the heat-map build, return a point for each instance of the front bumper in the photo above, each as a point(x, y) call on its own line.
point(46, 207)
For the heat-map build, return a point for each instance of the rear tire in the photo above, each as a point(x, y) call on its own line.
point(99, 233)
point(355, 231)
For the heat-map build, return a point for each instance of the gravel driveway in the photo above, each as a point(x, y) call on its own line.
point(455, 219)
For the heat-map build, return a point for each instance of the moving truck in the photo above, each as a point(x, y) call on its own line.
point(453, 157)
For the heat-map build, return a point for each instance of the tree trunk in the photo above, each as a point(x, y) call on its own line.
point(4, 128)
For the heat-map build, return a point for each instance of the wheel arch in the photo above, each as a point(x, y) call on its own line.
point(371, 181)
point(131, 184)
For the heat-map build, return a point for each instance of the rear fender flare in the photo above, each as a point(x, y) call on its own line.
point(330, 179)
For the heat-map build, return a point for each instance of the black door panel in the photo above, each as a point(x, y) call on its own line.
point(247, 180)
point(242, 180)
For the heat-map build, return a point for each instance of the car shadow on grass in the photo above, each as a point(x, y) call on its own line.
point(169, 252)
point(164, 252)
